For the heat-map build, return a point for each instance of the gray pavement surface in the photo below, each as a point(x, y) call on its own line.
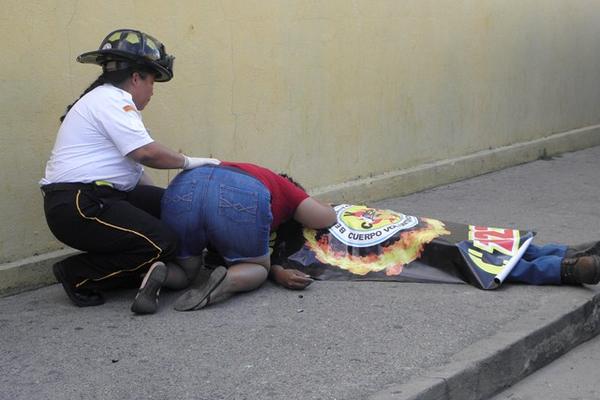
point(574, 376)
point(335, 340)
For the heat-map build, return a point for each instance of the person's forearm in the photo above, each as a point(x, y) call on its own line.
point(274, 271)
point(155, 155)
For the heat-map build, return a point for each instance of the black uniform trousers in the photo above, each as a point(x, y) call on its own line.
point(120, 232)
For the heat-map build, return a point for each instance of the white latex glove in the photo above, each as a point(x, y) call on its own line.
point(193, 162)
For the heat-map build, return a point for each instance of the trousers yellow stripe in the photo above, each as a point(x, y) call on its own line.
point(121, 229)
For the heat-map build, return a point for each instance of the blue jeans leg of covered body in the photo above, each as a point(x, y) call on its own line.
point(540, 265)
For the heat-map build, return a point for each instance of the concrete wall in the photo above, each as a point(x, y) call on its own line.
point(331, 91)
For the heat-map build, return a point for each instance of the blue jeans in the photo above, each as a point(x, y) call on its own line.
point(222, 206)
point(540, 265)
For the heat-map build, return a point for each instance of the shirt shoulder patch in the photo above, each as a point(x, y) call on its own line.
point(128, 108)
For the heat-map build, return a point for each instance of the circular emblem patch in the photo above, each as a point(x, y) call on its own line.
point(361, 226)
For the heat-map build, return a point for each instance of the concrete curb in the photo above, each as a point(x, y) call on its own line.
point(30, 273)
point(493, 364)
point(35, 272)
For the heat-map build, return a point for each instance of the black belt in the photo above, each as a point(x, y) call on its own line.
point(57, 187)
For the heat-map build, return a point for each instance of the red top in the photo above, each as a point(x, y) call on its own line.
point(285, 196)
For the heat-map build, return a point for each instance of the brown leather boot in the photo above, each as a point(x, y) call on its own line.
point(578, 270)
point(585, 249)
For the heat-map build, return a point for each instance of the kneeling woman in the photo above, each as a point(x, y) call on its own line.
point(233, 208)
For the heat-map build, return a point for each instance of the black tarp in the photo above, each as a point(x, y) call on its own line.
point(375, 244)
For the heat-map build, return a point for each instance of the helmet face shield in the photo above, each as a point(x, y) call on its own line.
point(136, 46)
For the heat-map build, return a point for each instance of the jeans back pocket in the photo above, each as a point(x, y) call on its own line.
point(178, 198)
point(238, 205)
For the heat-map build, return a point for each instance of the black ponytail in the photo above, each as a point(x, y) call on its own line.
point(98, 82)
point(289, 178)
point(114, 77)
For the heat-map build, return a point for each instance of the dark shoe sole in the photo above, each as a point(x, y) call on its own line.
point(195, 299)
point(81, 298)
point(146, 299)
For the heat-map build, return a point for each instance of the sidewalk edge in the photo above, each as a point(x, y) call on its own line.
point(505, 359)
point(30, 273)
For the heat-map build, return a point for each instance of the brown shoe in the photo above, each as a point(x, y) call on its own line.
point(578, 270)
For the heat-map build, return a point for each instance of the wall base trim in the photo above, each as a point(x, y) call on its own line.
point(426, 176)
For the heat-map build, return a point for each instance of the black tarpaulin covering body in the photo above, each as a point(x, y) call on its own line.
point(374, 244)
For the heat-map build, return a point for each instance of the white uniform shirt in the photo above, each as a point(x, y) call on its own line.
point(94, 139)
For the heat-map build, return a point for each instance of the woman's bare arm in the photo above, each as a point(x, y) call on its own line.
point(314, 214)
